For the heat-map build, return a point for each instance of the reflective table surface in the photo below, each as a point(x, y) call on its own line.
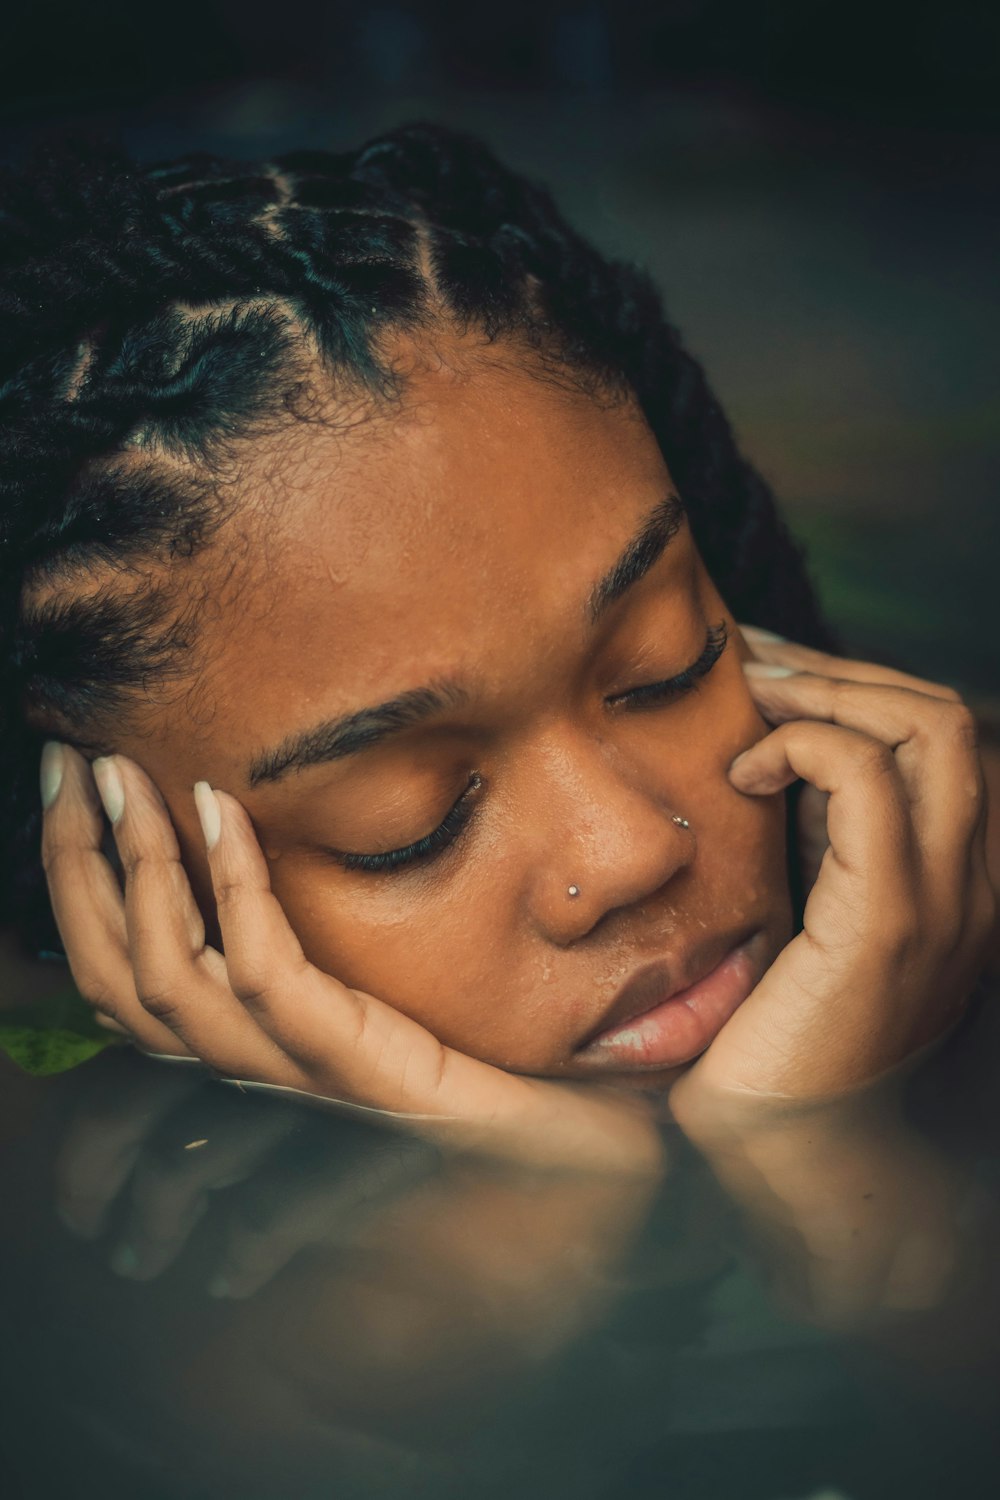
point(208, 1291)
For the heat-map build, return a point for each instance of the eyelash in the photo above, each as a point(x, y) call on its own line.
point(448, 830)
point(656, 693)
point(426, 848)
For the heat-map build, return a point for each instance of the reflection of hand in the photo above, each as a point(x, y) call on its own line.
point(859, 1220)
point(898, 921)
point(154, 1147)
point(262, 1012)
point(154, 1150)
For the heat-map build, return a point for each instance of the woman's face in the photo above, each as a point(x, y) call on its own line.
point(445, 613)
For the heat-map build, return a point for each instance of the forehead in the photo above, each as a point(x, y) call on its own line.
point(433, 539)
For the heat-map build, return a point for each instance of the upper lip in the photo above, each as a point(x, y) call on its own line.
point(660, 981)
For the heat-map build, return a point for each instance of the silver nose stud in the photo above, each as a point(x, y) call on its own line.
point(574, 890)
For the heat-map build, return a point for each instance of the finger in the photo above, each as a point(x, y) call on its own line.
point(933, 741)
point(98, 1152)
point(768, 647)
point(178, 980)
point(110, 1025)
point(87, 900)
point(352, 1047)
point(212, 1144)
point(868, 817)
point(309, 1207)
point(311, 1017)
point(348, 1046)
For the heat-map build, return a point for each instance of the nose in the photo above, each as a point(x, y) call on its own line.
point(607, 836)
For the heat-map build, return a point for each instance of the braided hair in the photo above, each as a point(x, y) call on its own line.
point(151, 318)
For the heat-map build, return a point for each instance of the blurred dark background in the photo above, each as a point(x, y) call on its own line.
point(814, 186)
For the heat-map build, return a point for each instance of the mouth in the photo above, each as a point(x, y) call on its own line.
point(668, 1014)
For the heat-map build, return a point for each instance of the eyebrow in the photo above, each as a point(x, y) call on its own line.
point(368, 727)
point(358, 731)
point(641, 554)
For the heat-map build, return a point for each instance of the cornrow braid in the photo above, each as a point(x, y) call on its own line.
point(151, 317)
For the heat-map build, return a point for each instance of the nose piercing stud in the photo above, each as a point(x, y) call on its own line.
point(681, 822)
point(574, 890)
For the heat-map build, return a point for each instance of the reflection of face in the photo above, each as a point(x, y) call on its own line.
point(458, 545)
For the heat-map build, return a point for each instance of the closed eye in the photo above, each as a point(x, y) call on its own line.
point(425, 848)
point(649, 696)
point(655, 694)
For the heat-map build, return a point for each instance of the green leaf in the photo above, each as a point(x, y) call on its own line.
point(53, 1035)
point(42, 1053)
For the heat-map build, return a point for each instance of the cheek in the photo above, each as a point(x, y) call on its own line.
point(464, 963)
point(742, 852)
point(445, 964)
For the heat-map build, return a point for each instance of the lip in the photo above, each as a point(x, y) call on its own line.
point(654, 1023)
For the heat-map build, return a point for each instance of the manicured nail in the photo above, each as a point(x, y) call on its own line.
point(51, 771)
point(110, 786)
point(767, 669)
point(209, 814)
point(124, 1261)
point(756, 633)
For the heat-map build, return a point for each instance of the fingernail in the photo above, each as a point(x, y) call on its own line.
point(51, 771)
point(756, 633)
point(767, 669)
point(124, 1261)
point(209, 814)
point(218, 1287)
point(110, 786)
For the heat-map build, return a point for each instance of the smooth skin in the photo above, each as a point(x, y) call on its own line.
point(462, 539)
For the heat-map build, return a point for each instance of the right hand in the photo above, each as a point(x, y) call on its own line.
point(260, 1012)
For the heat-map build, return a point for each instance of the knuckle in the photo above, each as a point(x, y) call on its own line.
point(258, 980)
point(253, 986)
point(228, 893)
point(952, 725)
point(874, 761)
point(961, 726)
point(161, 1002)
point(94, 988)
point(57, 855)
point(141, 864)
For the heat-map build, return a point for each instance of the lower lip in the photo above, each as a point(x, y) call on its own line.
point(678, 1029)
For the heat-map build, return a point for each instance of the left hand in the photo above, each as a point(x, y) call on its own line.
point(899, 920)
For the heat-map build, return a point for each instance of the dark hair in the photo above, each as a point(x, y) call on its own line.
point(152, 316)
